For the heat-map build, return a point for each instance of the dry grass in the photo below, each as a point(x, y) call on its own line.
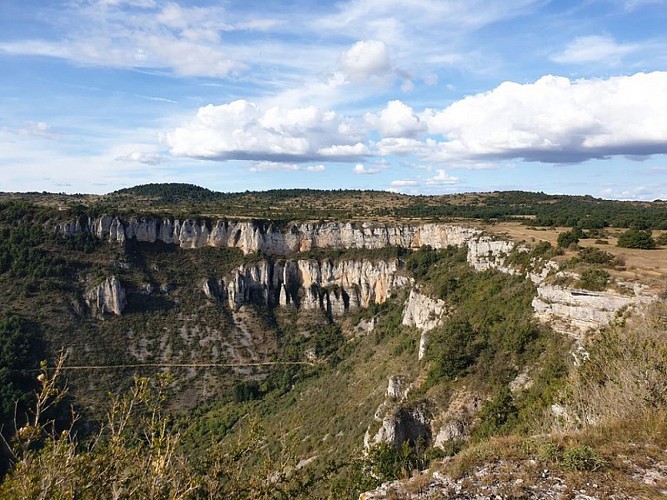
point(648, 267)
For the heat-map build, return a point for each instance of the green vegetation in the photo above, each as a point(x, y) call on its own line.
point(636, 238)
point(536, 209)
point(210, 430)
point(568, 238)
point(488, 346)
point(594, 279)
point(20, 350)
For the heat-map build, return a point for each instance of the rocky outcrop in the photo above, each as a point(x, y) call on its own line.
point(214, 290)
point(575, 311)
point(332, 286)
point(107, 297)
point(400, 422)
point(455, 423)
point(424, 313)
point(273, 238)
point(404, 424)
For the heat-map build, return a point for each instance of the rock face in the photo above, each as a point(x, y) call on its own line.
point(107, 297)
point(400, 423)
point(272, 238)
point(424, 313)
point(575, 311)
point(334, 287)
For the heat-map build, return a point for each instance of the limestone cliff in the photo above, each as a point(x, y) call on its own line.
point(337, 288)
point(107, 297)
point(272, 238)
point(332, 286)
point(424, 313)
point(575, 311)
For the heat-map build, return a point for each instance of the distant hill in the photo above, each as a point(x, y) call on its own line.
point(167, 192)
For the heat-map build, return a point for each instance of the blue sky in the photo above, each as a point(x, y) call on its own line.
point(414, 96)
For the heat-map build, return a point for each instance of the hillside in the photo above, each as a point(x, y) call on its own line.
point(315, 344)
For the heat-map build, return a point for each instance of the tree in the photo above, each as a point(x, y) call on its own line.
point(635, 238)
point(570, 237)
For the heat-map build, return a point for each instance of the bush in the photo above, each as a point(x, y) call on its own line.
point(594, 279)
point(592, 255)
point(497, 416)
point(635, 238)
point(571, 237)
point(582, 458)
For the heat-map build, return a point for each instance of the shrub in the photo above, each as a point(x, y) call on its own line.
point(635, 238)
point(568, 238)
point(582, 458)
point(594, 279)
point(592, 255)
point(497, 416)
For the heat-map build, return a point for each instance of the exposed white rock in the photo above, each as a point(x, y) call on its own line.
point(335, 287)
point(486, 253)
point(403, 424)
point(398, 387)
point(575, 311)
point(107, 297)
point(273, 239)
point(456, 421)
point(424, 313)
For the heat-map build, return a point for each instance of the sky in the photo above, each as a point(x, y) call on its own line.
point(412, 96)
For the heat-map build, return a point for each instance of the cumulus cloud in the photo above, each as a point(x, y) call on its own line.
point(361, 169)
point(364, 60)
point(441, 178)
point(242, 130)
point(556, 120)
point(396, 120)
point(399, 183)
point(602, 49)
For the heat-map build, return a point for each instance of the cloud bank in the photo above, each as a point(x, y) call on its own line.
point(553, 120)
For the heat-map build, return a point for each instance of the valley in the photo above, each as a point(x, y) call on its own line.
point(320, 352)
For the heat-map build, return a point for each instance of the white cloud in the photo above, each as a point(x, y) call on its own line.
point(141, 157)
point(344, 151)
point(361, 169)
point(556, 120)
point(601, 49)
point(396, 120)
point(37, 129)
point(144, 34)
point(243, 130)
point(441, 178)
point(364, 60)
point(398, 183)
point(272, 166)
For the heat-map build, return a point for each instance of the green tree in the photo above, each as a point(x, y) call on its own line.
point(18, 345)
point(635, 238)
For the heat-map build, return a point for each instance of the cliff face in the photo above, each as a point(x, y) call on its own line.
point(270, 238)
point(424, 313)
point(335, 287)
point(107, 297)
point(575, 311)
point(349, 285)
